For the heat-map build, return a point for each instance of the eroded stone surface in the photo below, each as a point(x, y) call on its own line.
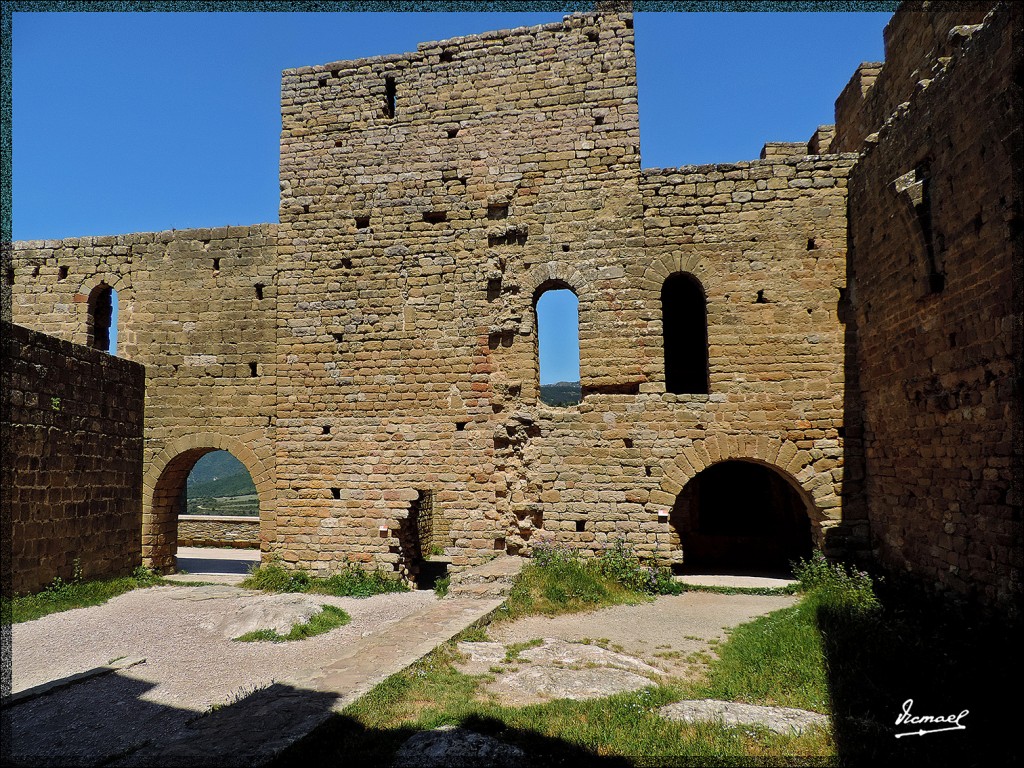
point(532, 684)
point(557, 652)
point(784, 720)
point(451, 746)
point(277, 612)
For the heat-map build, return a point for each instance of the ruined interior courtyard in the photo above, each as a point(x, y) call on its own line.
point(817, 348)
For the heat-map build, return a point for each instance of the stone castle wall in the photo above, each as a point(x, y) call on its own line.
point(388, 365)
point(238, 531)
point(73, 463)
point(197, 309)
point(935, 227)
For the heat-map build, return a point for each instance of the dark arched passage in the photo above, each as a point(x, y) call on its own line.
point(739, 515)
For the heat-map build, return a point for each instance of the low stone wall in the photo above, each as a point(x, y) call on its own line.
point(72, 465)
point(239, 531)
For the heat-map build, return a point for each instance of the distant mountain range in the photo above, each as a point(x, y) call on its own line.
point(560, 394)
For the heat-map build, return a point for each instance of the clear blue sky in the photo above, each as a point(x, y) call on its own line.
point(128, 122)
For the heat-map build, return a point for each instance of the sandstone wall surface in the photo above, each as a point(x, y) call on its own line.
point(73, 461)
point(197, 308)
point(935, 227)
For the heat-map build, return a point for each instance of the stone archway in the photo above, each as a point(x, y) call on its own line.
point(817, 491)
point(740, 515)
point(164, 485)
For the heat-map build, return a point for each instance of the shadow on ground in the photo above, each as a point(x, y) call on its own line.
point(944, 658)
point(108, 721)
point(337, 740)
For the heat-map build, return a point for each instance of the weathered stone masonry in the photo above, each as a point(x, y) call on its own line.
point(377, 347)
point(936, 259)
point(72, 461)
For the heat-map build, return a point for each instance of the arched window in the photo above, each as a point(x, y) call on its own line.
point(684, 322)
point(558, 346)
point(103, 310)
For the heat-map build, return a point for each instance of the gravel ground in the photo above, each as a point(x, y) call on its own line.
point(188, 663)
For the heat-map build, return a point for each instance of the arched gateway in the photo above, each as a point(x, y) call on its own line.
point(164, 493)
point(741, 515)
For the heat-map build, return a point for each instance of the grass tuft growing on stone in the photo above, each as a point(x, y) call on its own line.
point(327, 619)
point(63, 595)
point(350, 581)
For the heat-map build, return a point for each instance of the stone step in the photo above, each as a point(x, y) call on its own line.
point(492, 579)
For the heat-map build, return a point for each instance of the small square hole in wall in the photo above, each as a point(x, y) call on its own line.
point(447, 56)
point(362, 222)
point(460, 426)
point(497, 211)
point(598, 119)
point(216, 265)
point(62, 273)
point(10, 275)
point(811, 245)
point(499, 544)
point(254, 369)
point(435, 217)
point(326, 429)
point(35, 271)
point(259, 290)
point(565, 248)
point(452, 133)
point(627, 442)
point(335, 493)
point(581, 526)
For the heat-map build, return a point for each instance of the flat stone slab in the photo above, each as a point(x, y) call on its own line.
point(482, 656)
point(785, 720)
point(555, 652)
point(277, 612)
point(534, 684)
point(451, 746)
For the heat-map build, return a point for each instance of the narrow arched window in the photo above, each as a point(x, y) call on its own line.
point(558, 347)
point(103, 310)
point(684, 323)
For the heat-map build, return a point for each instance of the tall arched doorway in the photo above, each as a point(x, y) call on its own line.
point(169, 498)
point(741, 516)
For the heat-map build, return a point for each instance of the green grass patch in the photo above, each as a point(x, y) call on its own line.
point(624, 729)
point(350, 581)
point(777, 659)
point(327, 619)
point(63, 595)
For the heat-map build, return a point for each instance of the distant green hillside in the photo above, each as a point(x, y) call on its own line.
point(560, 394)
point(219, 484)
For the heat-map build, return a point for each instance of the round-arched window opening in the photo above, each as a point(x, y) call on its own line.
point(558, 347)
point(103, 312)
point(740, 516)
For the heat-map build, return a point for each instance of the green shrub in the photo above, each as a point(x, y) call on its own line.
point(350, 581)
point(441, 586)
point(836, 585)
point(620, 563)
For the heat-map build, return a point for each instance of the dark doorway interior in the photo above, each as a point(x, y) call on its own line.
point(740, 516)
